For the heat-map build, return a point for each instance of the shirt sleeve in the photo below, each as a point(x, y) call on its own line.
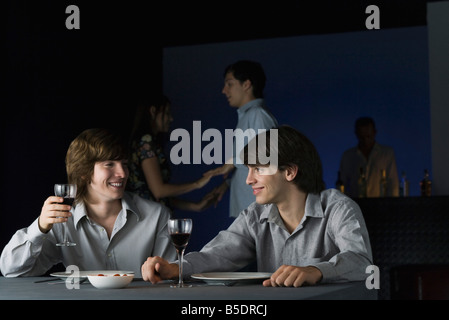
point(23, 255)
point(230, 250)
point(262, 120)
point(146, 148)
point(349, 232)
point(393, 177)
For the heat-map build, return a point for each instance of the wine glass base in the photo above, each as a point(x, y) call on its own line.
point(66, 244)
point(182, 285)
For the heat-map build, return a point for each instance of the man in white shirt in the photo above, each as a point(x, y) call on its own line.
point(371, 159)
point(244, 82)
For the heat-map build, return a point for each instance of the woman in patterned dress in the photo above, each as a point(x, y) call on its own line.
point(149, 168)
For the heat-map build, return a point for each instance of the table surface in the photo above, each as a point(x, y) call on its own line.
point(26, 288)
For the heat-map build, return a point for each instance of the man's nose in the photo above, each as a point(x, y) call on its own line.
point(121, 171)
point(250, 177)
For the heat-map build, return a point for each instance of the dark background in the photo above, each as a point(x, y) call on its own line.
point(60, 82)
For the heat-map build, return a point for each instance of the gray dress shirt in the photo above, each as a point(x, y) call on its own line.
point(332, 236)
point(140, 231)
point(253, 115)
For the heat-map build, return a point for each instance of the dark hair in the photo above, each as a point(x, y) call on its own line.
point(89, 147)
point(364, 121)
point(249, 70)
point(293, 148)
point(142, 118)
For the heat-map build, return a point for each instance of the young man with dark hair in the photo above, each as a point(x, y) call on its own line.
point(295, 229)
point(244, 82)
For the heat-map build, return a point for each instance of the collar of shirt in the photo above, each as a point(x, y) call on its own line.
point(256, 102)
point(79, 211)
point(313, 209)
point(376, 148)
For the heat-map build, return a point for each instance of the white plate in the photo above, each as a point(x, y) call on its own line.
point(83, 274)
point(231, 278)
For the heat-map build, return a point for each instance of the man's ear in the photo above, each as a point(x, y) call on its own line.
point(247, 84)
point(88, 181)
point(291, 172)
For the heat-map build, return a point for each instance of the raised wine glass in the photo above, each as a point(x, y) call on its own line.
point(180, 230)
point(68, 192)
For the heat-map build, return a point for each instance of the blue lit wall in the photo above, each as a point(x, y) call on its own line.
point(318, 84)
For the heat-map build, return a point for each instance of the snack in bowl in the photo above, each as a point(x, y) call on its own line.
point(110, 281)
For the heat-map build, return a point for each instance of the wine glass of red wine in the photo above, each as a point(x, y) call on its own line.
point(180, 230)
point(68, 192)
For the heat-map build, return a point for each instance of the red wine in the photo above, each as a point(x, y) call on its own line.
point(68, 201)
point(180, 240)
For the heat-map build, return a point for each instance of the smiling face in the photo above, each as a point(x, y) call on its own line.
point(268, 188)
point(108, 180)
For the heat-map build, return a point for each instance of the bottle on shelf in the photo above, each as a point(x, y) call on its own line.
point(339, 185)
point(426, 185)
point(383, 183)
point(362, 184)
point(404, 186)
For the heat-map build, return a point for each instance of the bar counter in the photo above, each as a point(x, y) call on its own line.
point(406, 231)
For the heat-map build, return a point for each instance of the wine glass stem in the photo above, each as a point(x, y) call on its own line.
point(64, 233)
point(180, 258)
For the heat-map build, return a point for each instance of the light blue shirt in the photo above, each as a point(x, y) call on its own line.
point(331, 236)
point(140, 231)
point(253, 115)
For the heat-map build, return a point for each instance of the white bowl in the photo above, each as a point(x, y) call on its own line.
point(110, 280)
